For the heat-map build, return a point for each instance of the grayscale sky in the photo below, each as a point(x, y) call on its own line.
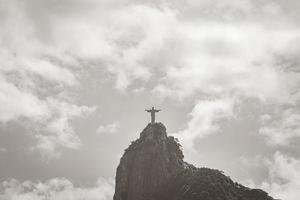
point(76, 76)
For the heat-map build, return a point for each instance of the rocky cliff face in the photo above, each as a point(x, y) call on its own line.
point(147, 164)
point(152, 168)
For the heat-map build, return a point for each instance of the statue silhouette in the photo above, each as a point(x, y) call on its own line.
point(152, 111)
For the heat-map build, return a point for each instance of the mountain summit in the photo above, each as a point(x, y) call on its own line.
point(152, 168)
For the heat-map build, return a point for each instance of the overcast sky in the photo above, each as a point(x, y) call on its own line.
point(76, 76)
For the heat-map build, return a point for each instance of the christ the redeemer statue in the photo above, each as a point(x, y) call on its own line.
point(152, 111)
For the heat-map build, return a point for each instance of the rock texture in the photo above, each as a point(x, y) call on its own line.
point(152, 168)
point(206, 184)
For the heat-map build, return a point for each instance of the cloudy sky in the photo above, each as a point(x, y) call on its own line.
point(76, 76)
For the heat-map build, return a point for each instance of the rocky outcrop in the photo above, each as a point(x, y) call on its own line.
point(152, 168)
point(147, 164)
point(206, 184)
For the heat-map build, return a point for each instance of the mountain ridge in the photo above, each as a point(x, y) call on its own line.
point(152, 168)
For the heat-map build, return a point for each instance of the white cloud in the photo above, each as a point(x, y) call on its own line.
point(55, 189)
point(217, 50)
point(32, 103)
point(283, 129)
point(121, 38)
point(237, 59)
point(108, 129)
point(55, 130)
point(140, 33)
point(204, 121)
point(134, 40)
point(265, 118)
point(36, 76)
point(38, 105)
point(49, 71)
point(220, 59)
point(16, 103)
point(255, 161)
point(282, 181)
point(284, 177)
point(180, 52)
point(203, 55)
